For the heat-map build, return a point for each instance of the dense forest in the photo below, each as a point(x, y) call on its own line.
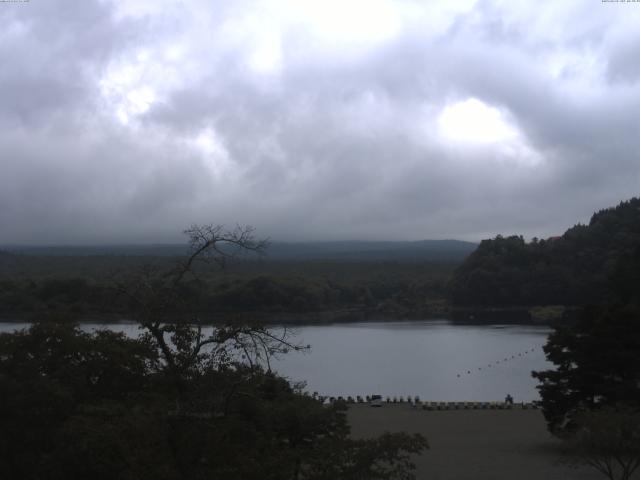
point(326, 279)
point(574, 269)
point(83, 285)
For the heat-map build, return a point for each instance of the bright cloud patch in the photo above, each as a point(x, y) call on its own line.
point(211, 148)
point(132, 86)
point(474, 121)
point(267, 57)
point(348, 23)
point(480, 128)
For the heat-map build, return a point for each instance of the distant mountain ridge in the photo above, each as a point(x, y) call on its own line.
point(423, 250)
point(444, 250)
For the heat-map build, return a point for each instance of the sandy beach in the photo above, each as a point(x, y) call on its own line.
point(474, 444)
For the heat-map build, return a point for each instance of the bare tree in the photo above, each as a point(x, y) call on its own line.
point(161, 304)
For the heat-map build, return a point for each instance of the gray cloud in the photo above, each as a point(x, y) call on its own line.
point(128, 125)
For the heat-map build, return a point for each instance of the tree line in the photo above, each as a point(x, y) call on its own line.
point(576, 268)
point(245, 287)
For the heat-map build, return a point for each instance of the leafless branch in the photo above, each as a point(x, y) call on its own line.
point(158, 304)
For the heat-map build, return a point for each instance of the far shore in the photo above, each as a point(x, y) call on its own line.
point(474, 444)
point(461, 316)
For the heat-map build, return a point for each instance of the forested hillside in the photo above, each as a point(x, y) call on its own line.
point(574, 269)
point(84, 286)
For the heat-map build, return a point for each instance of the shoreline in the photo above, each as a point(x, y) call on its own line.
point(458, 316)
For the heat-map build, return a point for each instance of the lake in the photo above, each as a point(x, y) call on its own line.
point(435, 359)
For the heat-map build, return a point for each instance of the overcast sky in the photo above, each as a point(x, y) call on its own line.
point(128, 121)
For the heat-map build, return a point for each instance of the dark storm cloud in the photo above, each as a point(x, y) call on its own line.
point(130, 124)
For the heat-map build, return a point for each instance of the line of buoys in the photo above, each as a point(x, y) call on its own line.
point(514, 356)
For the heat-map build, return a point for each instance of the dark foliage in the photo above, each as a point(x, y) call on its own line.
point(55, 373)
point(247, 287)
point(573, 269)
point(79, 405)
point(597, 360)
point(597, 363)
point(608, 440)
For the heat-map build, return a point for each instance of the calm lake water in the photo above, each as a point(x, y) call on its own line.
point(437, 360)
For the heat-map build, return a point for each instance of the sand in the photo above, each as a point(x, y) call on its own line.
point(474, 444)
